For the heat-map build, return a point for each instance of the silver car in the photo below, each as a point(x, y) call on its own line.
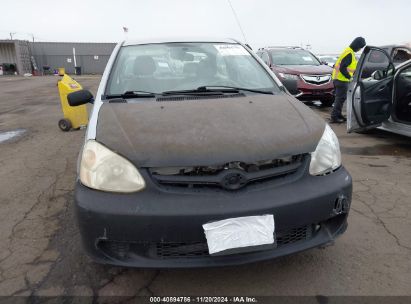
point(196, 156)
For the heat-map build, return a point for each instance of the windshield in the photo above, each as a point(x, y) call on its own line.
point(165, 67)
point(328, 59)
point(293, 57)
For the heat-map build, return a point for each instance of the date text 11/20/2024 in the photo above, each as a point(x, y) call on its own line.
point(205, 299)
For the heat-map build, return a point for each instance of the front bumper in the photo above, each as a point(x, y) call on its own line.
point(161, 229)
point(308, 92)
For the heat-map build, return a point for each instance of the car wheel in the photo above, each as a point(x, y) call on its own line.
point(65, 124)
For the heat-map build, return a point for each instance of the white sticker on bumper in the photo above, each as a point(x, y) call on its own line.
point(239, 232)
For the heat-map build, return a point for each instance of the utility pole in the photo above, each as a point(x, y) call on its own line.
point(11, 35)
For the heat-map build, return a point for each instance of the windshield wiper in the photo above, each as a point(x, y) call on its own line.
point(131, 94)
point(214, 90)
point(237, 89)
point(200, 91)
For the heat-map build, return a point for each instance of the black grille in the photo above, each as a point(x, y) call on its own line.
point(294, 235)
point(230, 176)
point(175, 250)
point(181, 250)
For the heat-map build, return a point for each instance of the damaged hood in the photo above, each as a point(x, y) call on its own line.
point(209, 131)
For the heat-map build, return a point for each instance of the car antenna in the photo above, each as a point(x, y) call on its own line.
point(237, 20)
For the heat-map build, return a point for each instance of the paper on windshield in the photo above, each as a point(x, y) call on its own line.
point(307, 58)
point(231, 50)
point(163, 64)
point(239, 232)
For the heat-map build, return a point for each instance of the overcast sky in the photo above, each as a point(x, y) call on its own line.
point(325, 24)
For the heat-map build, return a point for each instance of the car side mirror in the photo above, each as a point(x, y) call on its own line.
point(79, 98)
point(324, 62)
point(378, 75)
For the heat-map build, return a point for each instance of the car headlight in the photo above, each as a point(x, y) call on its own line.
point(105, 170)
point(288, 76)
point(327, 155)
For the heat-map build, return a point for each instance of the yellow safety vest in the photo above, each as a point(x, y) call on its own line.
point(351, 68)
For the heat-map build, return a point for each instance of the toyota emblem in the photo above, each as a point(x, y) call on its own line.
point(233, 180)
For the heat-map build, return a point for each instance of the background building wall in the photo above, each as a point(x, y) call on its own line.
point(7, 52)
point(91, 57)
point(16, 52)
point(23, 56)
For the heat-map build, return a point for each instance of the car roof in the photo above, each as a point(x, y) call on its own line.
point(178, 39)
point(389, 46)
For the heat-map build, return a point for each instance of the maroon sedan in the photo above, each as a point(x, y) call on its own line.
point(301, 72)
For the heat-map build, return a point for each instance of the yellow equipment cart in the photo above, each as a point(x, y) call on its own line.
point(74, 117)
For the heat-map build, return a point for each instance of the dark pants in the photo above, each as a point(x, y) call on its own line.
point(341, 89)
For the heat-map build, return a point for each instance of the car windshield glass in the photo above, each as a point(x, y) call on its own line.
point(163, 67)
point(293, 57)
point(328, 59)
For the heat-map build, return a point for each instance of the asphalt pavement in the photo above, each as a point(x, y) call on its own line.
point(40, 248)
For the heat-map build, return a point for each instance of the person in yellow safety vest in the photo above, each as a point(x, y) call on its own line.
point(342, 74)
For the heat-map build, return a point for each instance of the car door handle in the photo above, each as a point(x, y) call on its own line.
point(381, 89)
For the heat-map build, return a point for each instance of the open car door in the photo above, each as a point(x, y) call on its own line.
point(402, 94)
point(369, 100)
